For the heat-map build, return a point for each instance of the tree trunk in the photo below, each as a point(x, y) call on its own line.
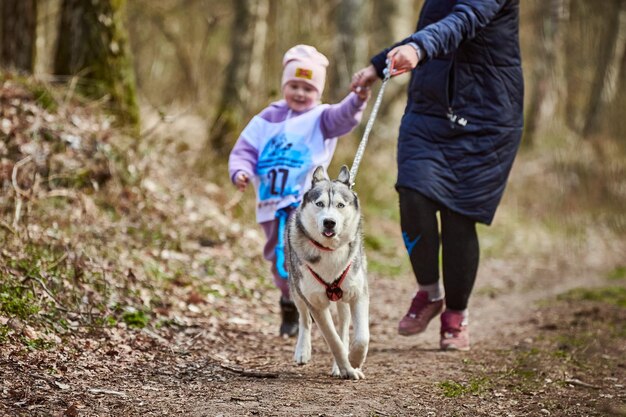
point(93, 45)
point(259, 49)
point(184, 59)
point(349, 45)
point(18, 34)
point(235, 92)
point(600, 83)
point(548, 17)
point(616, 119)
point(613, 100)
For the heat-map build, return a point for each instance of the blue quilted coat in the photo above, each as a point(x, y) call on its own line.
point(463, 121)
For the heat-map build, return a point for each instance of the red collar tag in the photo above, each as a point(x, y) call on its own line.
point(333, 292)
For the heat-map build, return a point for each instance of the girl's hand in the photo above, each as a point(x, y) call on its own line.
point(363, 93)
point(241, 180)
point(363, 79)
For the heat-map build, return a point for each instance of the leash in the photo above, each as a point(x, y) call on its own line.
point(370, 122)
point(333, 291)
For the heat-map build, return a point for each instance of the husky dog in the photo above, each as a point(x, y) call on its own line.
point(326, 264)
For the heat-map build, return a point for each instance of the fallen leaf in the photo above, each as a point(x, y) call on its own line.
point(61, 385)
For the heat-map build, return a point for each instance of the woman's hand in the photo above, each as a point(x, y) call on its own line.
point(405, 59)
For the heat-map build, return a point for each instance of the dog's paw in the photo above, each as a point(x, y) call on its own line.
point(350, 373)
point(336, 372)
point(353, 373)
point(357, 357)
point(302, 356)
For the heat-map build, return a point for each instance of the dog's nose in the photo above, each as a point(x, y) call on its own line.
point(329, 223)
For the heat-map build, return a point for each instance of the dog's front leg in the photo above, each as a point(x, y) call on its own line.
point(343, 326)
point(325, 323)
point(302, 355)
point(360, 344)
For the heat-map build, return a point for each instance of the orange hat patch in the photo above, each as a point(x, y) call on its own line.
point(304, 73)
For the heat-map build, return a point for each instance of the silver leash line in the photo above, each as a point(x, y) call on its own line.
point(368, 126)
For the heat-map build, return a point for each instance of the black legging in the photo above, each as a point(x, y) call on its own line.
point(459, 241)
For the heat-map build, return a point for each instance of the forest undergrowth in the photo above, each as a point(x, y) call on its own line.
point(97, 234)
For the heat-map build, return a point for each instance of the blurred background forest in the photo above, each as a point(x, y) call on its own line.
point(198, 70)
point(222, 60)
point(210, 66)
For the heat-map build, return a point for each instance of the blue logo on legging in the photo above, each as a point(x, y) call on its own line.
point(408, 243)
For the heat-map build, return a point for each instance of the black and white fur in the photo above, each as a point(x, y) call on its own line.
point(329, 215)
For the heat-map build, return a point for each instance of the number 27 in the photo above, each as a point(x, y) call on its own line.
point(273, 175)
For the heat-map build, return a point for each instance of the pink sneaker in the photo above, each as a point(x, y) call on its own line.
point(454, 332)
point(419, 315)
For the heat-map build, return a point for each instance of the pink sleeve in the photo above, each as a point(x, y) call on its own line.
point(243, 157)
point(339, 119)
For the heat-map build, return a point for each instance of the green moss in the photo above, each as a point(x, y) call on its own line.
point(209, 266)
point(42, 94)
point(4, 333)
point(135, 319)
point(617, 274)
point(105, 321)
point(388, 267)
point(451, 389)
point(611, 295)
point(475, 386)
point(17, 301)
point(374, 242)
point(37, 344)
point(44, 98)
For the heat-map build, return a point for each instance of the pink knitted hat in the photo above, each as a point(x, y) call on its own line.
point(305, 63)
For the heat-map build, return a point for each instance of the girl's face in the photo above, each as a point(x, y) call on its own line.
point(299, 95)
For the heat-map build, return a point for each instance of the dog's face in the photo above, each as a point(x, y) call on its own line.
point(330, 209)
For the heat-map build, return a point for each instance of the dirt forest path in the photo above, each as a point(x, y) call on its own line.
point(401, 372)
point(246, 369)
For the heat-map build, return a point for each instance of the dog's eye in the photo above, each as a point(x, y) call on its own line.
point(340, 205)
point(319, 204)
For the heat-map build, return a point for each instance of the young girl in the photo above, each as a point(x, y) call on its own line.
point(281, 146)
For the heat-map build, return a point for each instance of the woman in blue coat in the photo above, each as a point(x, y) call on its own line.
point(458, 138)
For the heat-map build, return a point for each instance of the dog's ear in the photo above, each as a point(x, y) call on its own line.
point(318, 175)
point(344, 175)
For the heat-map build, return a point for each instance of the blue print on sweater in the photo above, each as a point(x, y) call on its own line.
point(283, 166)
